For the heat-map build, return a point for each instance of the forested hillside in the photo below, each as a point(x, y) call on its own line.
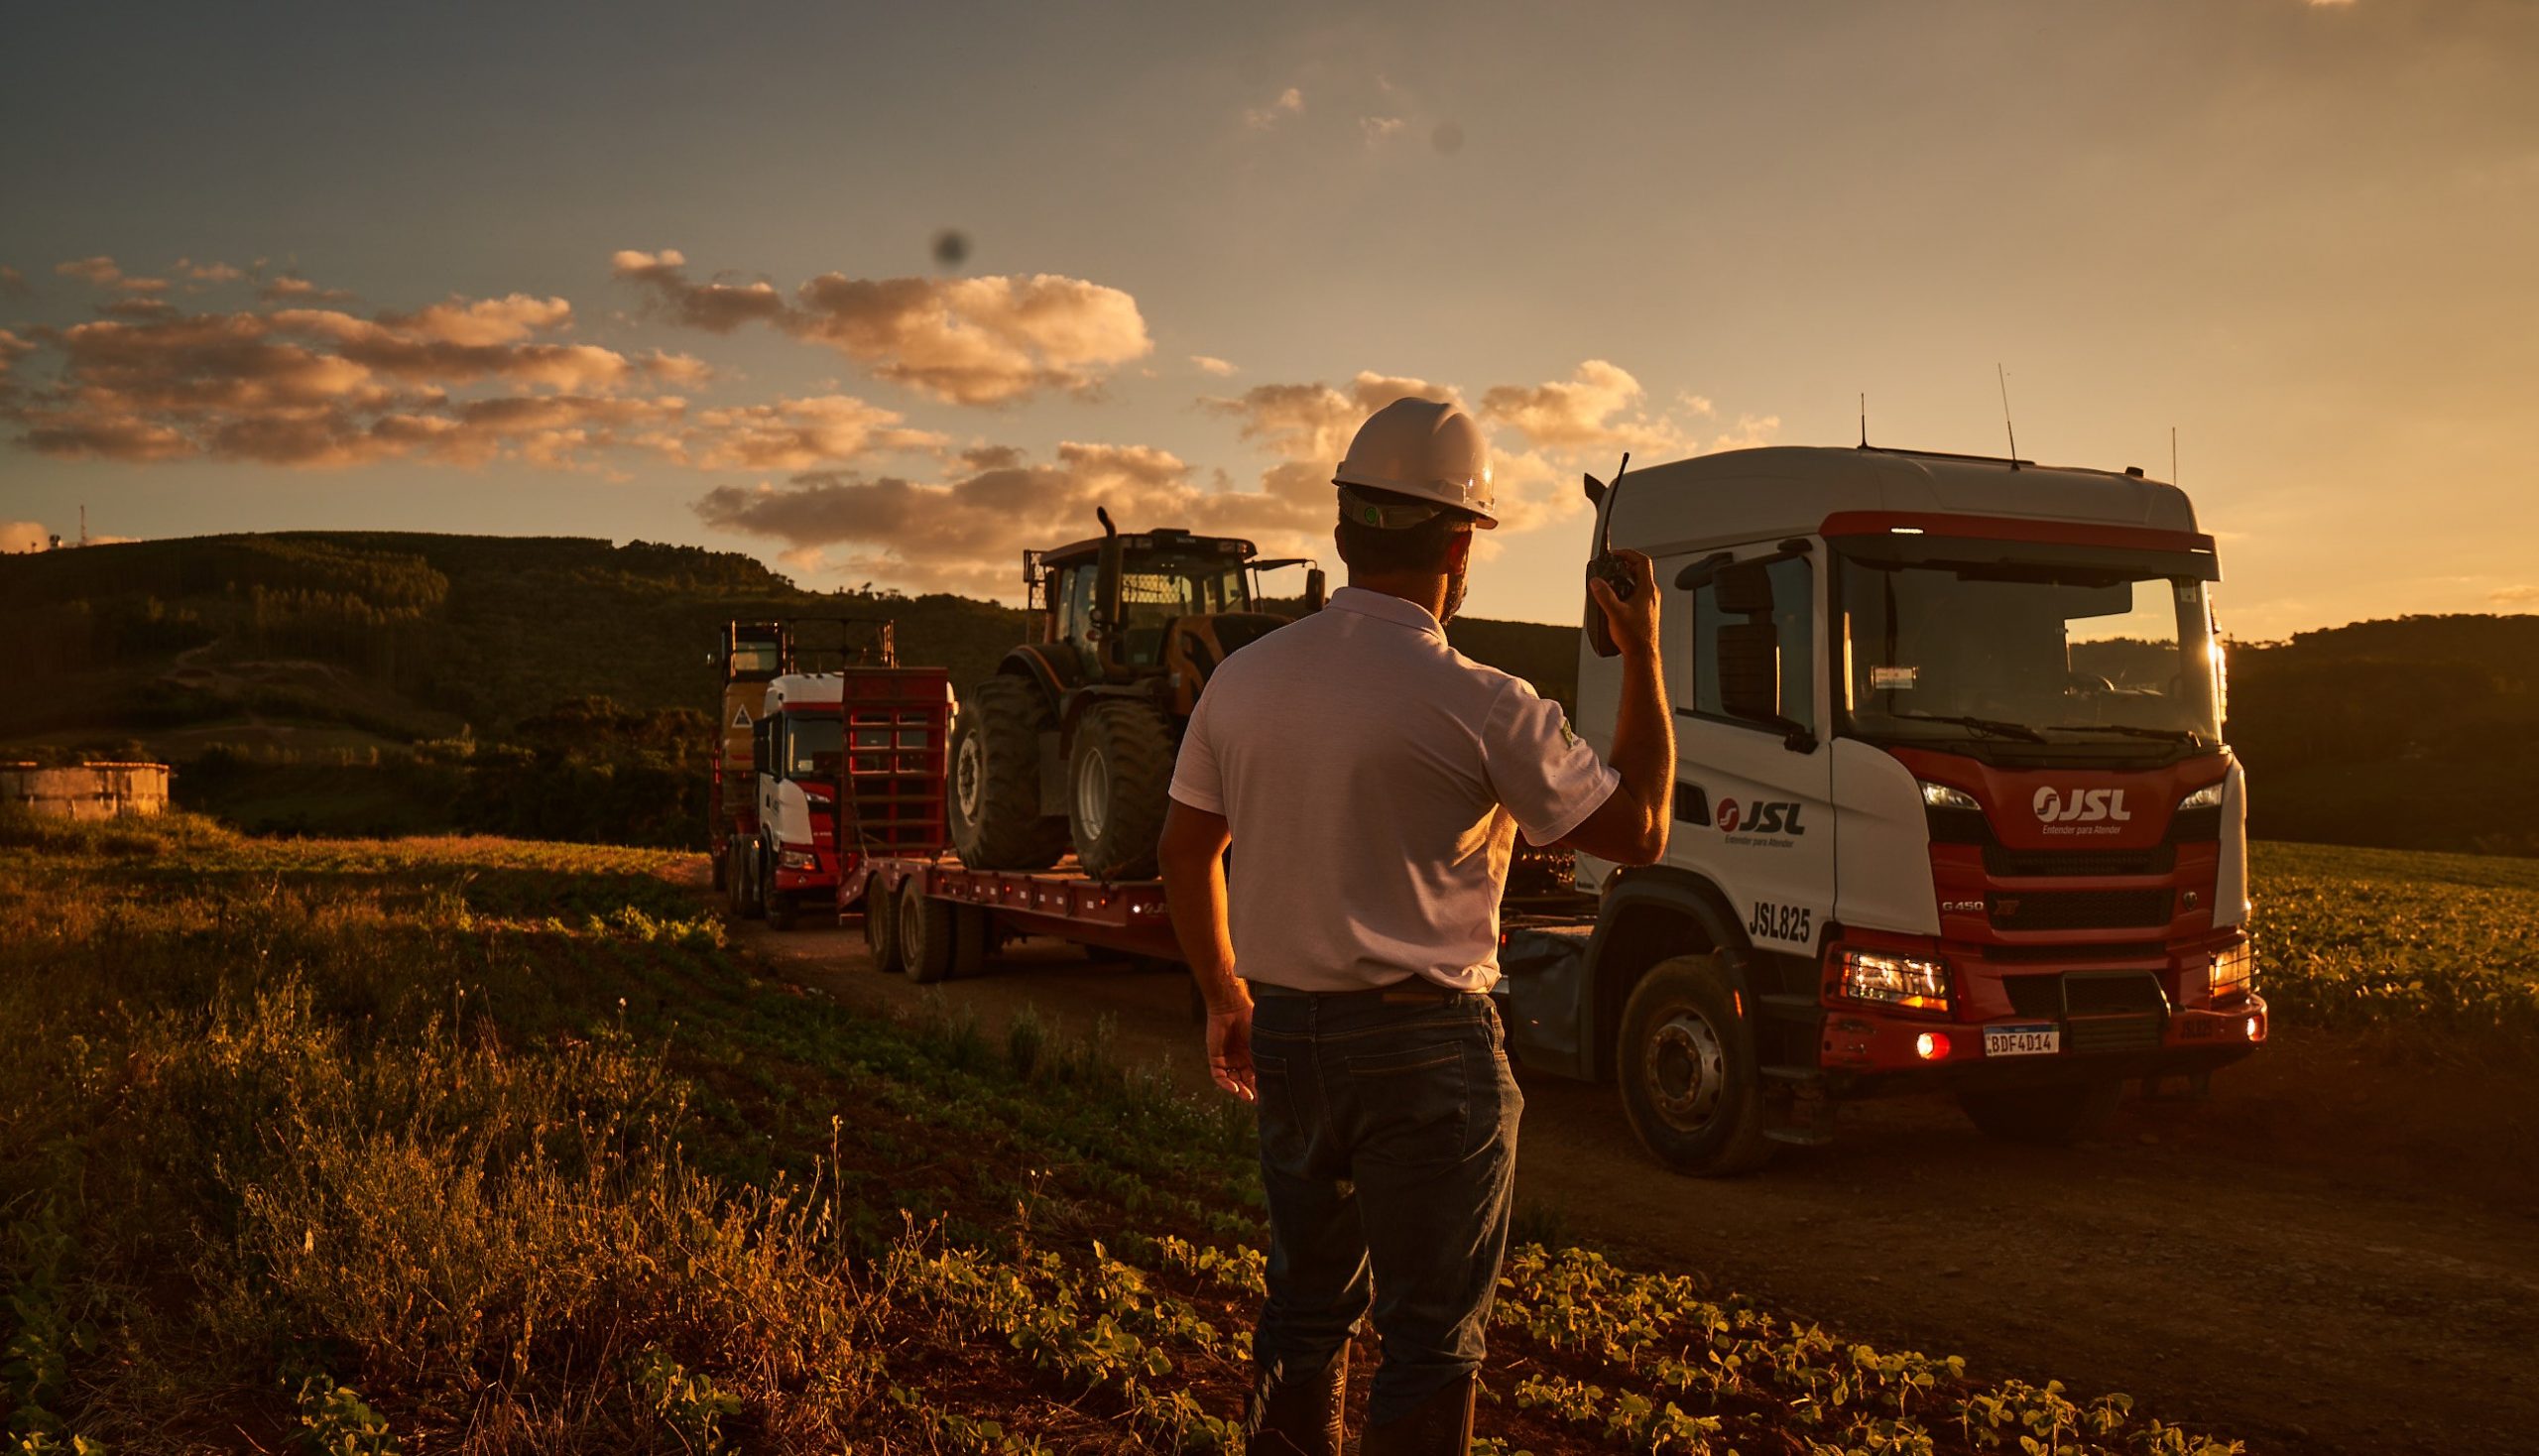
point(382, 682)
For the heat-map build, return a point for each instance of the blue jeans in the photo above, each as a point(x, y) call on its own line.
point(1389, 1151)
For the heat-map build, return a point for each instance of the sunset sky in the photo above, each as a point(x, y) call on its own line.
point(669, 272)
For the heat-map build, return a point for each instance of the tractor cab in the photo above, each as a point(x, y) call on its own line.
point(1157, 607)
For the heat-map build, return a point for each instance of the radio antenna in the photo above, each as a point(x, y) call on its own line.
point(2004, 376)
point(1863, 419)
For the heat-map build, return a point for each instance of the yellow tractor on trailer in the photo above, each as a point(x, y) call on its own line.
point(1071, 744)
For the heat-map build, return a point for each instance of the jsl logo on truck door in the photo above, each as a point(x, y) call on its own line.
point(1759, 823)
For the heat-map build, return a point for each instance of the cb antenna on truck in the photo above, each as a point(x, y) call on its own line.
point(2006, 427)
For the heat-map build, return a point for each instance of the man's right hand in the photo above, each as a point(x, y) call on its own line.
point(1230, 1049)
point(1634, 623)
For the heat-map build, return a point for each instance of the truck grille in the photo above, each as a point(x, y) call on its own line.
point(2021, 864)
point(2082, 910)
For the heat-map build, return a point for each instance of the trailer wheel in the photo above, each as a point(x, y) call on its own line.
point(882, 928)
point(1686, 1063)
point(2073, 1113)
point(745, 903)
point(993, 796)
point(1118, 781)
point(925, 934)
point(972, 930)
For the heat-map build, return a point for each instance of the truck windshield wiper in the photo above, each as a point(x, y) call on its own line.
point(1995, 726)
point(2168, 735)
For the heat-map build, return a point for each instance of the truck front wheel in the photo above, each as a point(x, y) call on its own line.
point(1688, 1074)
point(2052, 1115)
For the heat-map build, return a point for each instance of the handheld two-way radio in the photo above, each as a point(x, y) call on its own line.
point(1604, 567)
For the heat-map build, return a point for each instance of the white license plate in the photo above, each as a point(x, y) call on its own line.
point(2023, 1038)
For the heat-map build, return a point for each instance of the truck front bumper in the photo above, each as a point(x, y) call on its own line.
point(1866, 1052)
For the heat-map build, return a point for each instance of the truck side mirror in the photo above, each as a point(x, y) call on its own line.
point(1749, 655)
point(1317, 589)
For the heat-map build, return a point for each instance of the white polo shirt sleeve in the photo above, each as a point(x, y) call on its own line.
point(1195, 779)
point(1548, 776)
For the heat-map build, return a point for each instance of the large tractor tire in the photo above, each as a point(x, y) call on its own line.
point(994, 796)
point(926, 933)
point(2073, 1113)
point(1118, 780)
point(1690, 1082)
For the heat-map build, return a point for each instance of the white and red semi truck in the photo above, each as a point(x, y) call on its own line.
point(1953, 808)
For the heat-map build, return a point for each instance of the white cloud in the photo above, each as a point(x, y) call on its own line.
point(1290, 102)
point(1210, 364)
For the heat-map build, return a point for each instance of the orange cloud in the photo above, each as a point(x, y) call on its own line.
point(103, 272)
point(1312, 423)
point(1584, 411)
point(23, 536)
point(963, 341)
point(291, 288)
point(13, 284)
point(794, 434)
point(717, 307)
point(976, 340)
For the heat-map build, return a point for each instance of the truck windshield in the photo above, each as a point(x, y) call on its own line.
point(2044, 652)
point(813, 746)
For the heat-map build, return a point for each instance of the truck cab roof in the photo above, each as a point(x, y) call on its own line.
point(797, 690)
point(1739, 496)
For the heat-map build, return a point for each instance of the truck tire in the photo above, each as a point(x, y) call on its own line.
point(993, 794)
point(748, 897)
point(1690, 1083)
point(1117, 779)
point(925, 934)
point(2074, 1113)
point(882, 928)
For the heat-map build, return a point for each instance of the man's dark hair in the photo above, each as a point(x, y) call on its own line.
point(1418, 549)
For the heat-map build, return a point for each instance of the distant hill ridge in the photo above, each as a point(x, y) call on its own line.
point(2415, 732)
point(417, 635)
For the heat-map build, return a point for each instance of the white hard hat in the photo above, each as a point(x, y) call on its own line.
point(1425, 449)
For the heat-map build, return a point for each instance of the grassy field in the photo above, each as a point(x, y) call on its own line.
point(483, 1145)
point(2426, 953)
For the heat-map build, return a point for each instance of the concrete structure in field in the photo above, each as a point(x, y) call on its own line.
point(86, 791)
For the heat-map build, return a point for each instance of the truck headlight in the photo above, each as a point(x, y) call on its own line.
point(2207, 798)
point(1941, 796)
point(1895, 980)
point(798, 859)
point(2233, 972)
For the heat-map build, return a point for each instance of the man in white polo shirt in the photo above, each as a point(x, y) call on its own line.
point(1372, 782)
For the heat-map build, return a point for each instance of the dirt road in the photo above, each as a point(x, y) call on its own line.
point(2334, 1255)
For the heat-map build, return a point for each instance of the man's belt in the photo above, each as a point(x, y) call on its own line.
point(1414, 991)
